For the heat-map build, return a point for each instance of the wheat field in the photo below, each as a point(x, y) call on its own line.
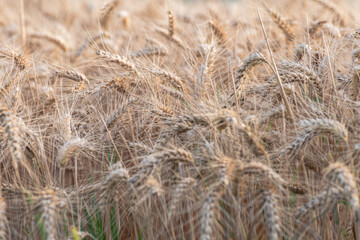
point(167, 119)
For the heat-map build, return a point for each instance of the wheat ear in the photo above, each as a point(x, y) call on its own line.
point(219, 33)
point(355, 83)
point(115, 177)
point(171, 24)
point(72, 74)
point(184, 185)
point(93, 39)
point(271, 214)
point(12, 129)
point(3, 219)
point(121, 61)
point(329, 196)
point(208, 209)
point(282, 24)
point(335, 10)
point(49, 203)
point(68, 150)
point(51, 38)
point(314, 127)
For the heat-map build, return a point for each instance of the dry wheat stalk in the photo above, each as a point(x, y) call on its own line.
point(331, 30)
point(220, 120)
point(182, 124)
point(355, 34)
point(252, 61)
point(172, 92)
point(171, 156)
point(153, 186)
point(120, 84)
point(278, 112)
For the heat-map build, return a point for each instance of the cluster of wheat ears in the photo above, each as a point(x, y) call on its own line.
point(170, 120)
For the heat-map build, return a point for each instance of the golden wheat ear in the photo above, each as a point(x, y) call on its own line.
point(356, 83)
point(3, 219)
point(171, 24)
point(249, 63)
point(72, 74)
point(108, 189)
point(120, 60)
point(283, 25)
point(49, 203)
point(56, 40)
point(20, 61)
point(68, 150)
point(13, 132)
point(271, 213)
point(300, 51)
point(182, 187)
point(107, 11)
point(91, 41)
point(315, 127)
point(294, 72)
point(219, 33)
point(208, 212)
point(335, 10)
